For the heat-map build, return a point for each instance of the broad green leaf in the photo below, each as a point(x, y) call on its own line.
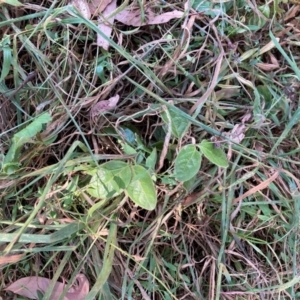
point(210, 8)
point(127, 149)
point(265, 9)
point(187, 163)
point(33, 128)
point(141, 189)
point(151, 160)
point(10, 167)
point(202, 5)
point(110, 180)
point(20, 138)
point(215, 155)
point(7, 59)
point(179, 124)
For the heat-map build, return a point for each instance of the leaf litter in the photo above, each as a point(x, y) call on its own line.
point(104, 106)
point(105, 24)
point(83, 7)
point(98, 6)
point(31, 286)
point(131, 17)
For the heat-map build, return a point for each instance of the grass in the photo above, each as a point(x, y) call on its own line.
point(226, 233)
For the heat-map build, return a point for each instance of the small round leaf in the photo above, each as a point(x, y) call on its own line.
point(141, 189)
point(179, 124)
point(215, 155)
point(187, 163)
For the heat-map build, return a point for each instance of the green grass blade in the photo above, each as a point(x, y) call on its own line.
point(293, 121)
point(107, 262)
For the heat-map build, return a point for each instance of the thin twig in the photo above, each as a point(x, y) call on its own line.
point(166, 142)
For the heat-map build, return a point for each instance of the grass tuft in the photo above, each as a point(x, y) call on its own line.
point(226, 73)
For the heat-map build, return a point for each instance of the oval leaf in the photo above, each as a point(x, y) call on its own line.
point(141, 189)
point(187, 163)
point(215, 155)
point(151, 160)
point(179, 125)
point(110, 180)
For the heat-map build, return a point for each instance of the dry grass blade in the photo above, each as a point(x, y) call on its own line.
point(257, 188)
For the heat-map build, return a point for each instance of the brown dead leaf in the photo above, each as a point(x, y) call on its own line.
point(246, 118)
point(166, 17)
point(257, 188)
point(83, 7)
point(191, 198)
point(28, 287)
point(9, 259)
point(213, 83)
point(103, 232)
point(237, 133)
point(106, 24)
point(292, 13)
point(98, 6)
point(266, 67)
point(168, 65)
point(133, 17)
point(6, 183)
point(273, 59)
point(104, 106)
point(283, 32)
point(269, 66)
point(138, 258)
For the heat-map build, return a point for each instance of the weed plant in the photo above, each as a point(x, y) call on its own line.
point(213, 229)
